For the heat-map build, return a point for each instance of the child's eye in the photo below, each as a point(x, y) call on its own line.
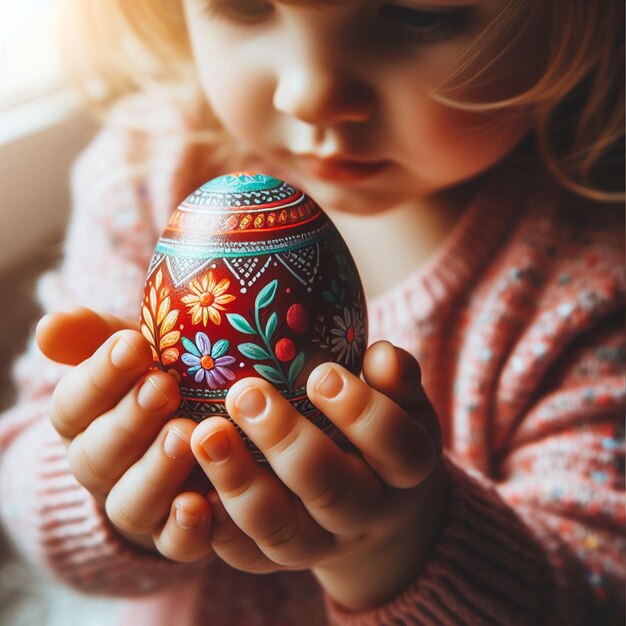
point(426, 25)
point(241, 11)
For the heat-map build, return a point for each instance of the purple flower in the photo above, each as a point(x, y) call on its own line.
point(208, 362)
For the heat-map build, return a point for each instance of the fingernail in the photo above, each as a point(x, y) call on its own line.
point(251, 403)
point(216, 446)
point(186, 520)
point(124, 355)
point(330, 385)
point(150, 396)
point(175, 445)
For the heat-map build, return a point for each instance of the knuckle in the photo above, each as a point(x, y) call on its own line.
point(229, 547)
point(282, 535)
point(257, 564)
point(337, 490)
point(236, 489)
point(242, 555)
point(124, 432)
point(366, 410)
point(87, 471)
point(285, 439)
point(98, 382)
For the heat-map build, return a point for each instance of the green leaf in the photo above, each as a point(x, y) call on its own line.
point(220, 348)
point(190, 346)
point(270, 373)
point(296, 368)
point(266, 295)
point(271, 326)
point(240, 323)
point(252, 351)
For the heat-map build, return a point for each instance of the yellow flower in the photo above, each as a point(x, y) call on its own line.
point(207, 299)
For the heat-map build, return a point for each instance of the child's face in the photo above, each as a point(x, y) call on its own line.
point(298, 83)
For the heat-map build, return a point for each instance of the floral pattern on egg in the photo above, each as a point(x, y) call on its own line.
point(251, 278)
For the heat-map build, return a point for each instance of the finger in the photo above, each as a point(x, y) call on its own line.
point(118, 438)
point(73, 336)
point(397, 374)
point(255, 499)
point(233, 546)
point(186, 534)
point(339, 491)
point(394, 444)
point(97, 384)
point(142, 497)
point(394, 370)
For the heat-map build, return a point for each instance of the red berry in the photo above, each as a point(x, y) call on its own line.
point(285, 349)
point(297, 318)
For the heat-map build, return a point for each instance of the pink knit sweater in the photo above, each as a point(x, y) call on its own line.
point(517, 322)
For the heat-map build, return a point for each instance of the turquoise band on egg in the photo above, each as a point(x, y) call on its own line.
point(234, 249)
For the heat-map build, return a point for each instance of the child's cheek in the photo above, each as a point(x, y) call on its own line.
point(229, 92)
point(455, 144)
point(237, 88)
point(472, 142)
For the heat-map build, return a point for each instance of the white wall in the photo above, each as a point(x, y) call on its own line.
point(35, 158)
point(34, 191)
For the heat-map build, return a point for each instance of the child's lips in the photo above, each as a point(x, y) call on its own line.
point(337, 169)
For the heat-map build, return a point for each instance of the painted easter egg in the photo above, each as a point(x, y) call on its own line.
point(251, 278)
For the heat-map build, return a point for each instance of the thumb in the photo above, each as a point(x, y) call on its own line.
point(70, 337)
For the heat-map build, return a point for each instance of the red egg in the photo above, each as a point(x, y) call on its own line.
point(251, 278)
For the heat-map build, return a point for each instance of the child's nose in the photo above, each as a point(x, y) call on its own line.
point(322, 95)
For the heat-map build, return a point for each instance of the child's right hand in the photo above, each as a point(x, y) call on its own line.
point(113, 413)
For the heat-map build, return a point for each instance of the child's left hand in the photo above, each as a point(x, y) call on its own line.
point(363, 523)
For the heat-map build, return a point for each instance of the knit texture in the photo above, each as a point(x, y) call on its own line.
point(517, 322)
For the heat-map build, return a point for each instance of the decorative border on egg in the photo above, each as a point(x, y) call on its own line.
point(221, 197)
point(203, 248)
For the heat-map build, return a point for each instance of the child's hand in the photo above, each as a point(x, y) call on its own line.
point(362, 523)
point(113, 414)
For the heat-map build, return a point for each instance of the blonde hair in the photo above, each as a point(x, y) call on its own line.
point(577, 102)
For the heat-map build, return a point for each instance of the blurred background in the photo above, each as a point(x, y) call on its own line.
point(42, 129)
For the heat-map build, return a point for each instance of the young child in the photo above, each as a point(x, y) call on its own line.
point(470, 153)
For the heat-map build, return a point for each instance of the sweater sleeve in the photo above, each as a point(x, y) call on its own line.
point(118, 191)
point(537, 537)
point(544, 545)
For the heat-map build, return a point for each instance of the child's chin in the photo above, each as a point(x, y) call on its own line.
point(353, 200)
